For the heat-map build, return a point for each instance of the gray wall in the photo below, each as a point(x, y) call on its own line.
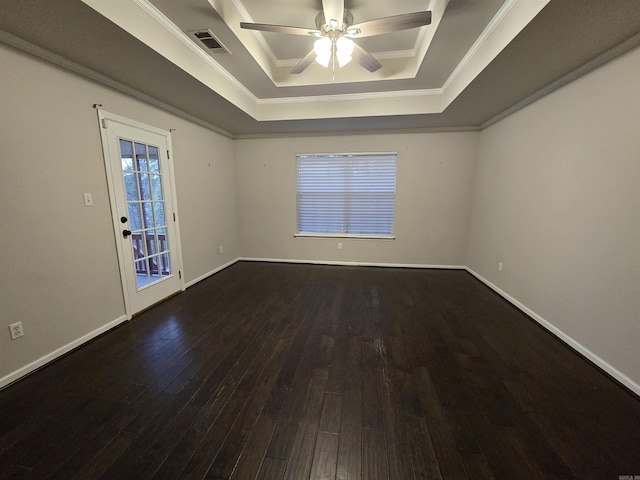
point(557, 200)
point(434, 178)
point(551, 191)
point(58, 258)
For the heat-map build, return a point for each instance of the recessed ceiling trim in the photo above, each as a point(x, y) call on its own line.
point(395, 54)
point(426, 35)
point(353, 106)
point(418, 51)
point(353, 96)
point(288, 63)
point(486, 33)
point(142, 20)
point(145, 22)
point(168, 25)
point(233, 12)
point(246, 16)
point(510, 20)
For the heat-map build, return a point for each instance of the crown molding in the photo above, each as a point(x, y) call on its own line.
point(481, 40)
point(349, 133)
point(597, 62)
point(26, 47)
point(170, 27)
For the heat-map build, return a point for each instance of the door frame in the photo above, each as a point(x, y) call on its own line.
point(104, 118)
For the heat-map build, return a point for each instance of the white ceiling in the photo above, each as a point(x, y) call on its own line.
point(477, 61)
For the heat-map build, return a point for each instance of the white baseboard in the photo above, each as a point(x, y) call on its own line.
point(212, 272)
point(27, 369)
point(351, 264)
point(581, 349)
point(31, 367)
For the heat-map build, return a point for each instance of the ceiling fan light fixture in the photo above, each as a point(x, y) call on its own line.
point(323, 48)
point(335, 28)
point(322, 45)
point(324, 60)
point(343, 59)
point(344, 50)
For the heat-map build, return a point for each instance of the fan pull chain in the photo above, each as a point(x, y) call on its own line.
point(333, 61)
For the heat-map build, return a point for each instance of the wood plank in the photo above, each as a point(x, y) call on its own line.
point(253, 453)
point(349, 466)
point(331, 413)
point(99, 464)
point(374, 455)
point(271, 469)
point(302, 452)
point(325, 457)
point(449, 461)
point(371, 388)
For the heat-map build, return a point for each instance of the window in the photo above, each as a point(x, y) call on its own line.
point(346, 194)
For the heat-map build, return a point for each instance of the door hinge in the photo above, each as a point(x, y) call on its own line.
point(104, 123)
point(179, 274)
point(174, 217)
point(168, 156)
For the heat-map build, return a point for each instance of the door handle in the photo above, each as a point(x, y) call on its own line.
point(126, 233)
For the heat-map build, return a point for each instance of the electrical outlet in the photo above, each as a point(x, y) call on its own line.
point(339, 245)
point(16, 330)
point(499, 266)
point(220, 249)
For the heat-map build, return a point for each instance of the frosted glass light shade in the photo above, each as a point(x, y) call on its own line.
point(344, 50)
point(323, 48)
point(345, 45)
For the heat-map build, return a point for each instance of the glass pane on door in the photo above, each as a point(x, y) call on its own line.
point(146, 206)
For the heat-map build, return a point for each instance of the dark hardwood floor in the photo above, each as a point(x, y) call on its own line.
point(270, 371)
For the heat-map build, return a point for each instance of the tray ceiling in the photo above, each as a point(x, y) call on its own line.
point(478, 60)
point(255, 75)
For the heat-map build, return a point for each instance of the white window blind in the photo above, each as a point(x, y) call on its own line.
point(346, 194)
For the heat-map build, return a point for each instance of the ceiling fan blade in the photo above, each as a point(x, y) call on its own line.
point(390, 24)
point(265, 27)
point(365, 59)
point(306, 61)
point(333, 10)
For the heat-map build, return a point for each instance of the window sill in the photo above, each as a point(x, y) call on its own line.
point(344, 235)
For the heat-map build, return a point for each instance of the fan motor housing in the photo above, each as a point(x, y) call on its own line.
point(347, 20)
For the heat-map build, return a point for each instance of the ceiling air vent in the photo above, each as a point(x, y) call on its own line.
point(209, 41)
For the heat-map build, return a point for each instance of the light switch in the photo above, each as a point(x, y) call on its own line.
point(88, 199)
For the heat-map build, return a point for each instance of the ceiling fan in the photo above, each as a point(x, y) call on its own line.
point(335, 31)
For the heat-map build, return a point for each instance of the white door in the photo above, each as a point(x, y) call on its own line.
point(142, 191)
